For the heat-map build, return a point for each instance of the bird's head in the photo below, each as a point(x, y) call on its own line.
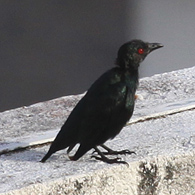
point(132, 53)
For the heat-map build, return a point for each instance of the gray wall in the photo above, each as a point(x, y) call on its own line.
point(173, 24)
point(50, 49)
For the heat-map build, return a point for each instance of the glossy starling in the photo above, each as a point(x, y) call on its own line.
point(106, 108)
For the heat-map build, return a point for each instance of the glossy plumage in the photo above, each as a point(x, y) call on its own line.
point(107, 106)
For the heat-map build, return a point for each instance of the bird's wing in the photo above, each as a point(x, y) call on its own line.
point(102, 104)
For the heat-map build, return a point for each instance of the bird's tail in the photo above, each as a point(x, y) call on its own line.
point(62, 141)
point(46, 156)
point(56, 146)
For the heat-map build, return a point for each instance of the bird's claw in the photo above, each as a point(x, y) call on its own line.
point(126, 152)
point(99, 158)
point(112, 152)
point(110, 161)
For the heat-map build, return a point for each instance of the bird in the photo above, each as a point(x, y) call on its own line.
point(105, 108)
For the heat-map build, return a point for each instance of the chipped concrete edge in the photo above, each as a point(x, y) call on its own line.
point(159, 175)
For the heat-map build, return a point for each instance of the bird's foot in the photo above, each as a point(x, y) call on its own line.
point(112, 152)
point(109, 161)
point(105, 159)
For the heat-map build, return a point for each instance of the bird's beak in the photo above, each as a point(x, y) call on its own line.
point(154, 46)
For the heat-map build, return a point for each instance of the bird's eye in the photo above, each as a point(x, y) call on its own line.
point(140, 50)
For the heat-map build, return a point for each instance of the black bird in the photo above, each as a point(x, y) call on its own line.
point(107, 106)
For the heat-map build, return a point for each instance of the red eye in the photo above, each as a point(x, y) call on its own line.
point(140, 51)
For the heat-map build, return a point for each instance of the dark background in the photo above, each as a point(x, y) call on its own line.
point(55, 48)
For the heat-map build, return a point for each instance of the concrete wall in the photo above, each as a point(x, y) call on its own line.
point(54, 48)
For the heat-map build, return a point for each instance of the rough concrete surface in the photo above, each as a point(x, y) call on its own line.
point(163, 139)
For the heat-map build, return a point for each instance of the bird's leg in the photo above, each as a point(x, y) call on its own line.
point(112, 152)
point(105, 159)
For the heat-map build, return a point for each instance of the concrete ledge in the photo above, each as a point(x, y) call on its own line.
point(161, 175)
point(161, 132)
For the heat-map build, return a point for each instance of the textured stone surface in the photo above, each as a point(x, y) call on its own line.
point(160, 175)
point(164, 144)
